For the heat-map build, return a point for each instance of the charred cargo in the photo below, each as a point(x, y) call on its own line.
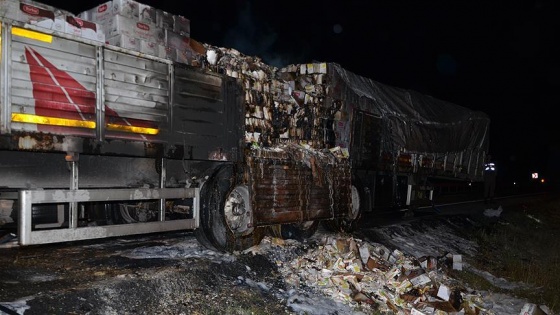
point(99, 141)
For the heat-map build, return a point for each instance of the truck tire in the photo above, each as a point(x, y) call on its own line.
point(350, 223)
point(201, 232)
point(225, 214)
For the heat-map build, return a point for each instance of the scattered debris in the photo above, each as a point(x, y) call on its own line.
point(362, 274)
point(6, 207)
point(533, 218)
point(532, 309)
point(493, 212)
point(6, 237)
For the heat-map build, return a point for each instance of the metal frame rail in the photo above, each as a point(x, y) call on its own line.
point(28, 236)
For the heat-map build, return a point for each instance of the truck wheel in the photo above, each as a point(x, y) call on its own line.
point(201, 232)
point(226, 215)
point(301, 231)
point(350, 223)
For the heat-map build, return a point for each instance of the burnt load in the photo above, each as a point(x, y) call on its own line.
point(99, 139)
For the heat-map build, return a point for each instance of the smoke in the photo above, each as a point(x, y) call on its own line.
point(254, 37)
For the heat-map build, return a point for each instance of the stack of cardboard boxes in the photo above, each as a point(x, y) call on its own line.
point(125, 23)
point(140, 27)
point(48, 17)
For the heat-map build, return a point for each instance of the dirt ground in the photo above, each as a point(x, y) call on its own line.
point(93, 278)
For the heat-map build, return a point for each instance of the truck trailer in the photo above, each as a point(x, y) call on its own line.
point(100, 141)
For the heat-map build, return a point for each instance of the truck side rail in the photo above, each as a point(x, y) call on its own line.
point(27, 198)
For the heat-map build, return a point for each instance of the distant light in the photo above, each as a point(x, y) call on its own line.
point(535, 175)
point(514, 183)
point(470, 184)
point(542, 180)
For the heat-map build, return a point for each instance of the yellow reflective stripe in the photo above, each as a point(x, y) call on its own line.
point(133, 129)
point(44, 120)
point(32, 34)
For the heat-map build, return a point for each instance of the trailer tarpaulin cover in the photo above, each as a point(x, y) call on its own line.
point(412, 121)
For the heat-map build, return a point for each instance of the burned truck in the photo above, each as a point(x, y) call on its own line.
point(100, 141)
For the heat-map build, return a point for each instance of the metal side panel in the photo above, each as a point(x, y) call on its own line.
point(28, 236)
point(288, 190)
point(204, 114)
point(53, 85)
point(137, 93)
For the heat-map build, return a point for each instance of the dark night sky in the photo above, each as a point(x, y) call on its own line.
point(499, 57)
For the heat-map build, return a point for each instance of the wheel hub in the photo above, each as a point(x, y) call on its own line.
point(355, 209)
point(238, 212)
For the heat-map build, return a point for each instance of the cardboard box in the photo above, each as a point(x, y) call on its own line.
point(57, 12)
point(37, 4)
point(149, 48)
point(93, 31)
point(124, 41)
point(181, 25)
point(176, 41)
point(99, 14)
point(147, 13)
point(31, 14)
point(72, 25)
point(165, 52)
point(127, 8)
point(164, 19)
point(183, 56)
point(83, 28)
point(121, 25)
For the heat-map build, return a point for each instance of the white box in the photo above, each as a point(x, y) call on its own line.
point(164, 19)
point(100, 13)
point(35, 15)
point(147, 13)
point(121, 25)
point(86, 29)
point(57, 12)
point(149, 48)
point(165, 52)
point(128, 8)
point(176, 41)
point(72, 25)
point(93, 31)
point(124, 41)
point(181, 25)
point(182, 56)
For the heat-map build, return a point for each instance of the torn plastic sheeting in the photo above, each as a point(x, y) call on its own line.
point(419, 123)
